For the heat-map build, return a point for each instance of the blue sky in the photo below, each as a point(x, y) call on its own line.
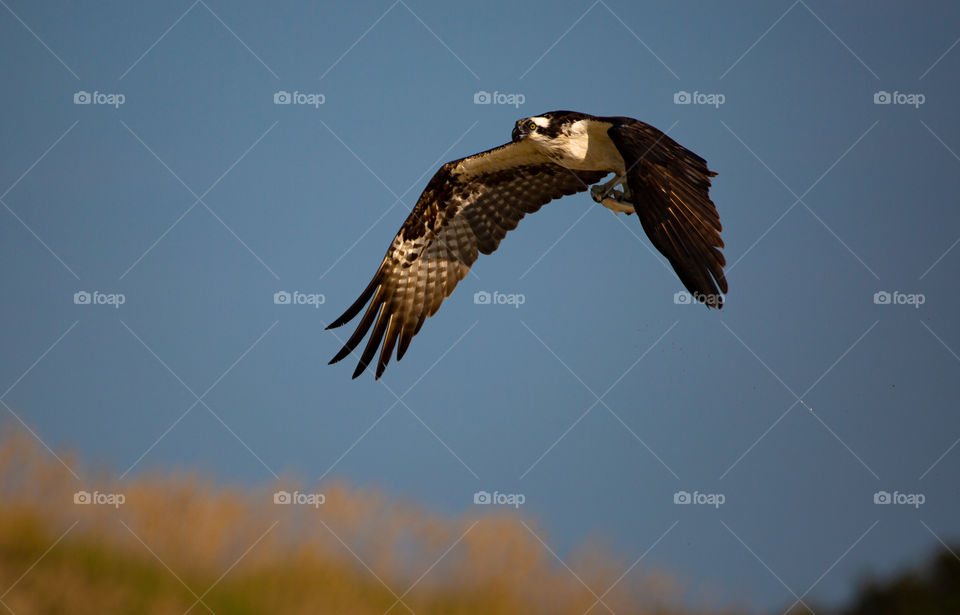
point(599, 397)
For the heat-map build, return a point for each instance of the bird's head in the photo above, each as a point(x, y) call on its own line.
point(543, 129)
point(528, 126)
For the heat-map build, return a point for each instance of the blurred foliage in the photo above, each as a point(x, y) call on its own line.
point(182, 544)
point(931, 589)
point(179, 544)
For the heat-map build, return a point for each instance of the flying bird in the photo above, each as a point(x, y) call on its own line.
point(470, 204)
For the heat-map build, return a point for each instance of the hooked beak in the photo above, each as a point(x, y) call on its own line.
point(518, 132)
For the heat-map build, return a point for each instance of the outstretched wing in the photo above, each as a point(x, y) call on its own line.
point(670, 187)
point(466, 208)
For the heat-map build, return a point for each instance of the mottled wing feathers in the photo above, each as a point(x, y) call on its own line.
point(467, 208)
point(670, 188)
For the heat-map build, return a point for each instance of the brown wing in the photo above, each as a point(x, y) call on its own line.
point(670, 188)
point(466, 208)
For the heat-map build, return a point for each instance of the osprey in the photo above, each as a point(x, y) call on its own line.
point(471, 203)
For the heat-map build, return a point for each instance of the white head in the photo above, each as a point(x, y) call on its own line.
point(575, 140)
point(544, 128)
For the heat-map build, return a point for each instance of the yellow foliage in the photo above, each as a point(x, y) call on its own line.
point(180, 542)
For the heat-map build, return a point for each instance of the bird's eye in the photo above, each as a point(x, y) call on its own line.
point(531, 126)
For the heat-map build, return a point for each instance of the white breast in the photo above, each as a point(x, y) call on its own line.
point(588, 147)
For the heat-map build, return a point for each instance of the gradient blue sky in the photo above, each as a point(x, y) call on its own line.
point(199, 198)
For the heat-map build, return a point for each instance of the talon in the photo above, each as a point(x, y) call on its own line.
point(617, 201)
point(604, 190)
point(596, 193)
